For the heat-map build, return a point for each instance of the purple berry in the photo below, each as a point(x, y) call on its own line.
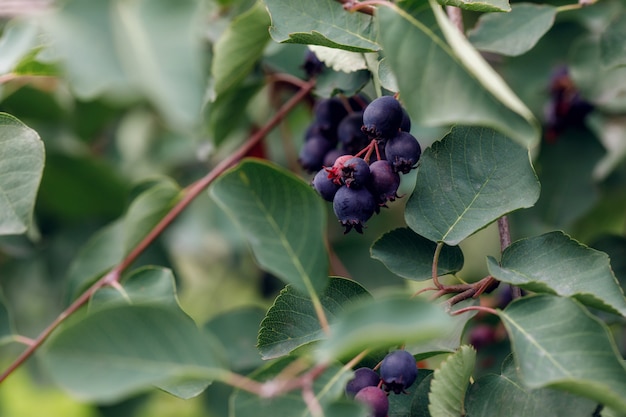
point(312, 66)
point(376, 399)
point(403, 151)
point(313, 151)
point(353, 207)
point(383, 181)
point(324, 186)
point(398, 371)
point(355, 172)
point(329, 112)
point(382, 117)
point(363, 377)
point(482, 335)
point(405, 125)
point(351, 138)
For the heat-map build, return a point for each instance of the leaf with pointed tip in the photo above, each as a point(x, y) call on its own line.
point(466, 181)
point(410, 255)
point(387, 321)
point(127, 349)
point(479, 5)
point(21, 166)
point(559, 344)
point(449, 384)
point(555, 263)
point(283, 219)
point(291, 321)
point(321, 22)
point(513, 33)
point(446, 83)
point(505, 395)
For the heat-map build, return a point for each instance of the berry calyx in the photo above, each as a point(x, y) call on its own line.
point(382, 117)
point(355, 172)
point(398, 371)
point(376, 399)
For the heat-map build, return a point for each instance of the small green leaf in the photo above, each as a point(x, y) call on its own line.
point(513, 33)
point(127, 349)
point(283, 219)
point(479, 5)
point(410, 256)
point(466, 181)
point(613, 41)
point(387, 321)
point(449, 384)
point(505, 395)
point(291, 322)
point(559, 344)
point(321, 22)
point(555, 263)
point(239, 48)
point(21, 165)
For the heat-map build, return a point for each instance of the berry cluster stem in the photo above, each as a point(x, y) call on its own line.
point(190, 194)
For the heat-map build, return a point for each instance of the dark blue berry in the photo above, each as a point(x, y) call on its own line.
point(376, 400)
point(351, 138)
point(398, 371)
point(355, 172)
point(324, 185)
point(403, 151)
point(353, 207)
point(363, 377)
point(313, 151)
point(312, 65)
point(405, 125)
point(382, 117)
point(383, 181)
point(329, 112)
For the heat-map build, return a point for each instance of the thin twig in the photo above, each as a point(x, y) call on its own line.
point(475, 308)
point(435, 270)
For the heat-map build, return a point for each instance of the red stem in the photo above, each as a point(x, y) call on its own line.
point(190, 194)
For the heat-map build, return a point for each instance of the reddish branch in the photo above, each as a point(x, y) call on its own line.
point(190, 194)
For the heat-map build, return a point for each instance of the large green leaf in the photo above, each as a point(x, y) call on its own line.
point(116, 352)
point(19, 36)
point(410, 255)
point(292, 322)
point(479, 5)
point(386, 321)
point(283, 219)
point(322, 22)
point(21, 165)
point(559, 344)
point(613, 41)
point(505, 395)
point(450, 83)
point(449, 384)
point(513, 33)
point(239, 48)
point(466, 181)
point(555, 263)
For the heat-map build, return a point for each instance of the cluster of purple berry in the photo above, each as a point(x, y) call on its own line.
point(398, 371)
point(359, 155)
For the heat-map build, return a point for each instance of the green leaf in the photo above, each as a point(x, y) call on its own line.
point(238, 329)
point(443, 84)
point(7, 328)
point(282, 218)
point(291, 322)
point(479, 5)
point(148, 285)
point(127, 349)
point(466, 181)
point(415, 402)
point(513, 33)
point(322, 22)
point(239, 48)
point(21, 165)
point(555, 263)
point(328, 388)
point(559, 344)
point(410, 256)
point(19, 36)
point(613, 42)
point(384, 322)
point(449, 384)
point(505, 395)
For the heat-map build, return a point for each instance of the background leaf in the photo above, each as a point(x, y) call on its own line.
point(467, 180)
point(127, 349)
point(449, 384)
point(21, 165)
point(19, 36)
point(573, 351)
point(505, 395)
point(479, 5)
point(555, 263)
point(291, 321)
point(409, 255)
point(612, 42)
point(384, 322)
point(7, 327)
point(322, 22)
point(512, 33)
point(283, 219)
